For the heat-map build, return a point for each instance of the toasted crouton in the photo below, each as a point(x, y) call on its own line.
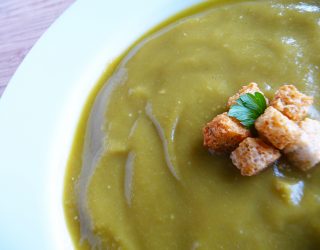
point(224, 133)
point(250, 88)
point(304, 153)
point(311, 127)
point(291, 102)
point(253, 155)
point(278, 129)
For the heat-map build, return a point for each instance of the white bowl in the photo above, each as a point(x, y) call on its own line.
point(40, 110)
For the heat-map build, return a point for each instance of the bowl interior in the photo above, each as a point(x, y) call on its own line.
point(40, 110)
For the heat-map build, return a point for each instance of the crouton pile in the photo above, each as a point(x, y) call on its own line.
point(282, 129)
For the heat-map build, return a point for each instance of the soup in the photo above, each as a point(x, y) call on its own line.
point(139, 176)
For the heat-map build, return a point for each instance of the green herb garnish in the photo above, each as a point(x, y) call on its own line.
point(248, 108)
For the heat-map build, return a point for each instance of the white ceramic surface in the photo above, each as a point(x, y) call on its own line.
point(40, 109)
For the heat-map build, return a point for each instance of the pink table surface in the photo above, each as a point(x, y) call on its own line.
point(22, 22)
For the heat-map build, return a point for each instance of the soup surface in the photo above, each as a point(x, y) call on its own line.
point(139, 177)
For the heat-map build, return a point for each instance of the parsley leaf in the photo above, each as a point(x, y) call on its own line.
point(248, 108)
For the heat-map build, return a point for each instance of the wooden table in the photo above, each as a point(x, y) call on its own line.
point(22, 22)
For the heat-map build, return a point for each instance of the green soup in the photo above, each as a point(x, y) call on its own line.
point(139, 177)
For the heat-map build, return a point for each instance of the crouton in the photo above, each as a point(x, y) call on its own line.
point(250, 88)
point(311, 127)
point(224, 133)
point(304, 153)
point(278, 129)
point(253, 155)
point(291, 102)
